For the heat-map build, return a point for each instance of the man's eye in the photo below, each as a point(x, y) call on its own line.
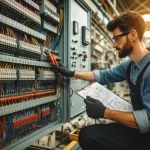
point(117, 38)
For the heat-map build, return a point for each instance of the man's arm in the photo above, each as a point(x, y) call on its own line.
point(89, 76)
point(125, 118)
point(95, 109)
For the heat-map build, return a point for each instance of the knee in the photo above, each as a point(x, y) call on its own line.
point(83, 136)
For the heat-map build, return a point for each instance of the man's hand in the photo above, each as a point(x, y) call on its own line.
point(95, 109)
point(63, 70)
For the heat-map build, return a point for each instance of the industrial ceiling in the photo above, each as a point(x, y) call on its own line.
point(116, 7)
point(120, 6)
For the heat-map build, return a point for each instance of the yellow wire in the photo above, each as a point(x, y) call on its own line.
point(13, 34)
point(7, 31)
point(25, 38)
point(61, 20)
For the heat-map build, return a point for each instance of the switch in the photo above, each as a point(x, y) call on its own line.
point(73, 65)
point(73, 48)
point(75, 27)
point(75, 41)
point(85, 56)
point(80, 55)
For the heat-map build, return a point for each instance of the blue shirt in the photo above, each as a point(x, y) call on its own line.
point(118, 74)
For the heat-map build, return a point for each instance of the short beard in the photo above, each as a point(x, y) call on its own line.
point(126, 50)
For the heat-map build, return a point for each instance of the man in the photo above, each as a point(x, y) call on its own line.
point(131, 130)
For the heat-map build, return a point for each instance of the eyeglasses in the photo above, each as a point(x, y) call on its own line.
point(117, 37)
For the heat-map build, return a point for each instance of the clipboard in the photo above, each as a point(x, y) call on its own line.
point(108, 98)
point(83, 89)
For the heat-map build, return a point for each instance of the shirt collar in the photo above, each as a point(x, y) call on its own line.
point(141, 63)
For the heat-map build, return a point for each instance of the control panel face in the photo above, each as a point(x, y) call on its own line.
point(79, 52)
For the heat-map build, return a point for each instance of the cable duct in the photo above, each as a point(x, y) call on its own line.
point(79, 123)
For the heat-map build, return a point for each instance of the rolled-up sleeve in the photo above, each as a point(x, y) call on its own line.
point(112, 75)
point(141, 120)
point(97, 75)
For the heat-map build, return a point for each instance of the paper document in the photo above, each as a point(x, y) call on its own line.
point(108, 98)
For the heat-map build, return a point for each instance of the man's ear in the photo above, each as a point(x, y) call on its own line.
point(133, 35)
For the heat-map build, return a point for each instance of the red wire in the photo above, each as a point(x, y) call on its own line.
point(2, 29)
point(2, 128)
point(35, 126)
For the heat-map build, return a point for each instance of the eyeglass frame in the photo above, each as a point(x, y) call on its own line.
point(120, 35)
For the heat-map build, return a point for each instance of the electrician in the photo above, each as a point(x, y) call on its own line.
point(131, 129)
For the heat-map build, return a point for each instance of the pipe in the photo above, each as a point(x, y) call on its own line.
point(115, 3)
point(101, 9)
point(113, 7)
point(80, 123)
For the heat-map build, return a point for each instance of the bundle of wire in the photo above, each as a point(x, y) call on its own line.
point(61, 82)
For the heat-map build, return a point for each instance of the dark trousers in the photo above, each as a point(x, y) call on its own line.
point(113, 136)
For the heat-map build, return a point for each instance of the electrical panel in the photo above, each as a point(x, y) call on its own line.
point(29, 89)
point(32, 93)
point(79, 51)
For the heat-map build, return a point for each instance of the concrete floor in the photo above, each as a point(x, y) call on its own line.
point(60, 146)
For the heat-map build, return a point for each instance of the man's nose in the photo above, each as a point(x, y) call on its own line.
point(114, 45)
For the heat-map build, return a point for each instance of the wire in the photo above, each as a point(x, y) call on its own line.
point(61, 20)
point(71, 90)
point(99, 121)
point(2, 128)
point(55, 41)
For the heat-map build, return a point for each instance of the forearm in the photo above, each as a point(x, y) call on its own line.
point(89, 76)
point(125, 118)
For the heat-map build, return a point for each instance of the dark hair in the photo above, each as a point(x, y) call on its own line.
point(128, 21)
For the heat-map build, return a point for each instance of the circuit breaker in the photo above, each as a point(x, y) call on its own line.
point(30, 104)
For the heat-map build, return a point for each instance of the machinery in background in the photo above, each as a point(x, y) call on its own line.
point(103, 56)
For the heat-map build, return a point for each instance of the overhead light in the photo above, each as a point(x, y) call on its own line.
point(146, 17)
point(147, 34)
point(148, 41)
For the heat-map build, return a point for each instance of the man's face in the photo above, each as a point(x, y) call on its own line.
point(122, 43)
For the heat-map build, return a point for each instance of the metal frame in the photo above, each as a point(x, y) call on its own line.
point(14, 24)
point(33, 4)
point(25, 105)
point(67, 5)
point(17, 60)
point(27, 140)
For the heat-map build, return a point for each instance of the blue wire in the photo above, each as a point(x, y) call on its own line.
point(54, 42)
point(10, 128)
